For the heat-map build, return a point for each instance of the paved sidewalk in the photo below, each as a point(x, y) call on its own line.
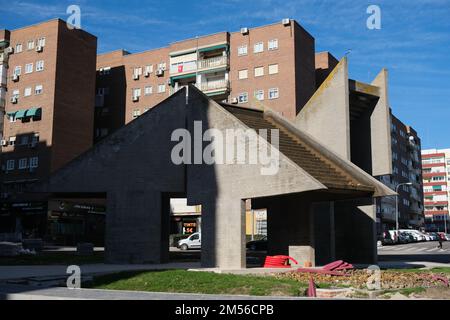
point(21, 272)
point(16, 292)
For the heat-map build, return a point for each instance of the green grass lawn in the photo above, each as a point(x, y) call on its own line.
point(53, 258)
point(180, 281)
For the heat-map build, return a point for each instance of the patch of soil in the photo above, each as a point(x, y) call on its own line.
point(359, 279)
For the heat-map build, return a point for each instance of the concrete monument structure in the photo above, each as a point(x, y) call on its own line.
point(319, 203)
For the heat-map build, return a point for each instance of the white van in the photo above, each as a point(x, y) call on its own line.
point(193, 242)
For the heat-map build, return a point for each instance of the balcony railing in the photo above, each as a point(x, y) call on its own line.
point(214, 85)
point(215, 62)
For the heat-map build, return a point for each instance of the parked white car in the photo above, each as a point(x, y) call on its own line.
point(193, 242)
point(417, 235)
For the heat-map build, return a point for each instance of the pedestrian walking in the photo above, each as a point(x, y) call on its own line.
point(440, 242)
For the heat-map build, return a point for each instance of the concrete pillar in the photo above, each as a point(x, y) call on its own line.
point(134, 228)
point(290, 228)
point(356, 231)
point(325, 246)
point(223, 234)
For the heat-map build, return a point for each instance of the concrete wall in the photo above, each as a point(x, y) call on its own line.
point(326, 115)
point(381, 129)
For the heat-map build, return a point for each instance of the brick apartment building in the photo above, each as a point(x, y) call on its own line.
point(49, 91)
point(407, 167)
point(436, 178)
point(271, 66)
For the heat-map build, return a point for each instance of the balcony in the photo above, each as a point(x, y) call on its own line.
point(216, 85)
point(213, 63)
point(183, 68)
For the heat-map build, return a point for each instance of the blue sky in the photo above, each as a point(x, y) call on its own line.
point(414, 42)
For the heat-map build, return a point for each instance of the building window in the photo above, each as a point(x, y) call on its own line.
point(39, 89)
point(259, 71)
point(35, 138)
point(40, 65)
point(30, 45)
point(136, 93)
point(41, 42)
point(10, 165)
point(162, 66)
point(243, 97)
point(24, 140)
point(137, 71)
point(273, 68)
point(259, 95)
point(23, 163)
point(258, 47)
point(161, 88)
point(18, 71)
point(243, 74)
point(34, 162)
point(273, 44)
point(148, 90)
point(102, 91)
point(136, 113)
point(274, 93)
point(19, 48)
point(29, 68)
point(242, 50)
point(12, 141)
point(27, 92)
point(149, 69)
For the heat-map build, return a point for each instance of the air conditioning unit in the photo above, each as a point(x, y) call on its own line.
point(14, 100)
point(286, 22)
point(147, 74)
point(39, 48)
point(10, 50)
point(159, 72)
point(33, 145)
point(4, 143)
point(15, 77)
point(135, 77)
point(244, 31)
point(135, 99)
point(234, 100)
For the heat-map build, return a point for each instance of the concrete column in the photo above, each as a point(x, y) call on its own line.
point(290, 228)
point(223, 234)
point(134, 228)
point(325, 246)
point(356, 231)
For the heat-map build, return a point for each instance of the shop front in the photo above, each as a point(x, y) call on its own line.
point(70, 223)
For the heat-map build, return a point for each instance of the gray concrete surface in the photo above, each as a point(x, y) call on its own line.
point(15, 292)
point(20, 272)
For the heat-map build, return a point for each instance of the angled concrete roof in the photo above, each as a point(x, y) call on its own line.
point(138, 156)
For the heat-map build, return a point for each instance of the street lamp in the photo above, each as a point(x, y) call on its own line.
point(396, 203)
